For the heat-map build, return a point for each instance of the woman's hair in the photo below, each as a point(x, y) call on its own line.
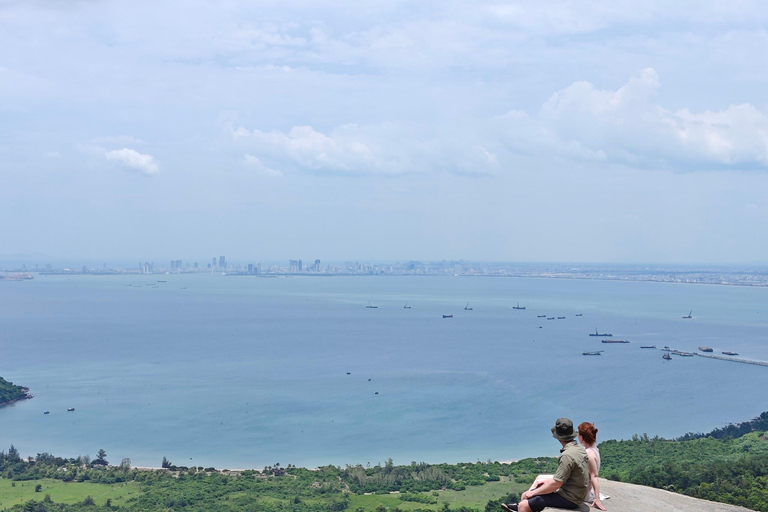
point(588, 432)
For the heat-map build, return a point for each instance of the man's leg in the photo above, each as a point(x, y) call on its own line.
point(523, 506)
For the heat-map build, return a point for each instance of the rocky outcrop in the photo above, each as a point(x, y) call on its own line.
point(637, 498)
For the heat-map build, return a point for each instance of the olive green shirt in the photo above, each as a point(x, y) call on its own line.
point(573, 472)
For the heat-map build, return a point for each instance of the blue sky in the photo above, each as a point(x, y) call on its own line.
point(596, 131)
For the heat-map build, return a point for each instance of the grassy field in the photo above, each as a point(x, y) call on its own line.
point(65, 492)
point(473, 497)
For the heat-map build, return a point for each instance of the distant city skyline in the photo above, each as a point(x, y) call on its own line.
point(594, 131)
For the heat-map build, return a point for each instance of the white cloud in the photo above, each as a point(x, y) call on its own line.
point(344, 150)
point(258, 166)
point(134, 160)
point(628, 126)
point(392, 149)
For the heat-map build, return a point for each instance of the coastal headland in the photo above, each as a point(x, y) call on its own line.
point(11, 393)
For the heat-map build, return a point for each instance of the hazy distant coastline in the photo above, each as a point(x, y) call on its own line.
point(731, 276)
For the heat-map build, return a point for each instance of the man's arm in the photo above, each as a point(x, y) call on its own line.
point(549, 486)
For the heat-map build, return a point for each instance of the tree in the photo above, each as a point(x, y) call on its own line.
point(166, 463)
point(38, 488)
point(13, 454)
point(101, 459)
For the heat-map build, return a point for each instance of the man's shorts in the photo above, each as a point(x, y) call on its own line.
point(538, 503)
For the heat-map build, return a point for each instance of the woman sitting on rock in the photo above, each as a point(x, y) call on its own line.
point(587, 438)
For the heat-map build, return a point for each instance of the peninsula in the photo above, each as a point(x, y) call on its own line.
point(10, 393)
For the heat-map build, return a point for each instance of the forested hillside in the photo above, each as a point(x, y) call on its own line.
point(729, 464)
point(9, 392)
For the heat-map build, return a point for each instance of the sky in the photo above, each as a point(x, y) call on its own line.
point(589, 131)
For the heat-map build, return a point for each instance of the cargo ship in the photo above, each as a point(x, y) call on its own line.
point(615, 341)
point(518, 306)
point(648, 346)
point(706, 349)
point(600, 334)
point(727, 353)
point(592, 353)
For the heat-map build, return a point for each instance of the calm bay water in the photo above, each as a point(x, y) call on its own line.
point(242, 372)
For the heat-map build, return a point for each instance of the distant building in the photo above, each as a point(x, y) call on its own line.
point(317, 265)
point(222, 262)
point(213, 263)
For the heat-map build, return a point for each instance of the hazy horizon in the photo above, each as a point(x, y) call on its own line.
point(596, 131)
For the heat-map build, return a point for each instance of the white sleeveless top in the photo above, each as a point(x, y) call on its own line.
point(591, 494)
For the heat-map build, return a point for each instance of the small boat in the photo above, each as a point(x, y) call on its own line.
point(467, 308)
point(667, 357)
point(161, 281)
point(47, 412)
point(349, 373)
point(406, 306)
point(376, 393)
point(561, 318)
point(579, 314)
point(706, 349)
point(597, 353)
point(615, 341)
point(596, 333)
point(70, 409)
point(369, 380)
point(689, 315)
point(371, 306)
point(666, 349)
point(541, 316)
point(447, 316)
point(518, 306)
point(550, 318)
point(728, 353)
point(648, 346)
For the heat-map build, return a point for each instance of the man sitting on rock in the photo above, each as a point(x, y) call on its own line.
point(568, 488)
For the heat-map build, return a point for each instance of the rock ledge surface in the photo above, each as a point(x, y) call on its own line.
point(638, 498)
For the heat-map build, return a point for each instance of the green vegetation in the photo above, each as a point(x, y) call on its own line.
point(9, 391)
point(729, 464)
point(53, 483)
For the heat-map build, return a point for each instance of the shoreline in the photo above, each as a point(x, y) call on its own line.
point(26, 396)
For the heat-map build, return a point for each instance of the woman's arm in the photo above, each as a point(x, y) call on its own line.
point(593, 480)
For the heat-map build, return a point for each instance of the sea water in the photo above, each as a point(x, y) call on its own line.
point(241, 372)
